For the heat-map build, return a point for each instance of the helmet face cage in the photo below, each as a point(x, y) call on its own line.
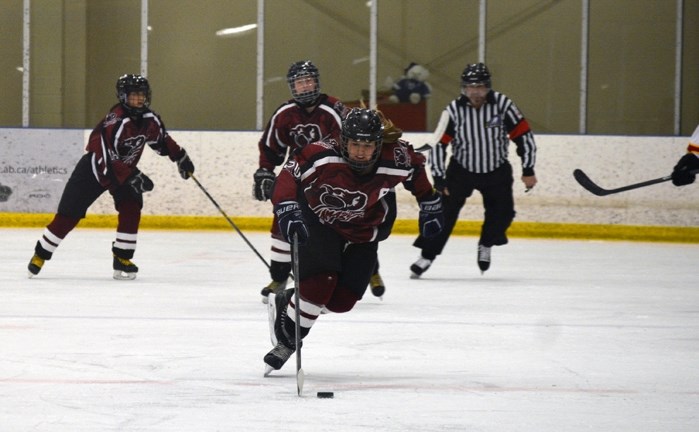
point(304, 69)
point(133, 83)
point(476, 73)
point(362, 125)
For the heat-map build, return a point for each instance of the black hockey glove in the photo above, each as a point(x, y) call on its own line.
point(439, 183)
point(290, 220)
point(264, 180)
point(5, 192)
point(431, 219)
point(139, 183)
point(681, 175)
point(185, 165)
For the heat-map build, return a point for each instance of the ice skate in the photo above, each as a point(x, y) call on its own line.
point(419, 267)
point(272, 317)
point(484, 257)
point(35, 265)
point(284, 347)
point(275, 307)
point(273, 287)
point(278, 356)
point(124, 269)
point(281, 302)
point(377, 286)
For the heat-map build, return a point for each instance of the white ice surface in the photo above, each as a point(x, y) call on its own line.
point(557, 336)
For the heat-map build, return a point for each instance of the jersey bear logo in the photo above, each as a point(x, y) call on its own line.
point(336, 203)
point(110, 119)
point(130, 148)
point(305, 134)
point(401, 156)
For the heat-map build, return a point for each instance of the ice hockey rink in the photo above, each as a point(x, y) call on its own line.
point(557, 336)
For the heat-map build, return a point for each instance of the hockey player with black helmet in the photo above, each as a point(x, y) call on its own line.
point(308, 116)
point(338, 199)
point(110, 164)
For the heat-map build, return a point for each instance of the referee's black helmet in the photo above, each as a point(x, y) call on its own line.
point(476, 73)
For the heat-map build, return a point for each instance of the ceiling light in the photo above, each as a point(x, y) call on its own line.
point(236, 31)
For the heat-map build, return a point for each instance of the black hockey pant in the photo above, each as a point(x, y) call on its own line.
point(498, 201)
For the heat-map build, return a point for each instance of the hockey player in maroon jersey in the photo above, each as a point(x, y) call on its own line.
point(113, 150)
point(307, 117)
point(339, 200)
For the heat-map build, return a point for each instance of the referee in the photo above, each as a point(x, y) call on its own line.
point(479, 126)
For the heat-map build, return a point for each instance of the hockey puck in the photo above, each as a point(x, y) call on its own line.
point(326, 395)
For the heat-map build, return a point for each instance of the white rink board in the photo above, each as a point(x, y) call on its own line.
point(225, 162)
point(35, 164)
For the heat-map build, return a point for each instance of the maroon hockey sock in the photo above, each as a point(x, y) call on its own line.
point(342, 300)
point(318, 288)
point(129, 217)
point(61, 225)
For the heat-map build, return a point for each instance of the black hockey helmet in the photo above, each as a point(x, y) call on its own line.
point(362, 124)
point(391, 132)
point(132, 83)
point(302, 69)
point(476, 73)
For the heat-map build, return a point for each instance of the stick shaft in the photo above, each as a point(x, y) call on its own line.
point(297, 316)
point(595, 189)
point(235, 227)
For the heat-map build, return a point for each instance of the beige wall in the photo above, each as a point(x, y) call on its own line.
point(74, 107)
point(10, 60)
point(80, 47)
point(113, 49)
point(47, 74)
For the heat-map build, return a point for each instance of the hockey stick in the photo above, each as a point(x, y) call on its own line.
point(592, 187)
point(229, 219)
point(297, 315)
point(423, 148)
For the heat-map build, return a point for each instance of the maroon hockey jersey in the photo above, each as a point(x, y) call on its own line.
point(117, 144)
point(361, 208)
point(291, 127)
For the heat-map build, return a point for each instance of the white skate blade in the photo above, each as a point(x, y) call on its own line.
point(122, 275)
point(271, 316)
point(268, 370)
point(30, 275)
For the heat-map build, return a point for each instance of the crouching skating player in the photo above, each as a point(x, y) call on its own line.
point(110, 164)
point(309, 116)
point(339, 200)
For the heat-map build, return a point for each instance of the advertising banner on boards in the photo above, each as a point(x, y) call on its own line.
point(35, 165)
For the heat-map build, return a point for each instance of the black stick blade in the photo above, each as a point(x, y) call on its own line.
point(588, 184)
point(423, 148)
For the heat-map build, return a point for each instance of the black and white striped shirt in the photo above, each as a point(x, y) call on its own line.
point(480, 137)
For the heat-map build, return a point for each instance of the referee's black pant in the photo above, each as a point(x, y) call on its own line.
point(498, 202)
